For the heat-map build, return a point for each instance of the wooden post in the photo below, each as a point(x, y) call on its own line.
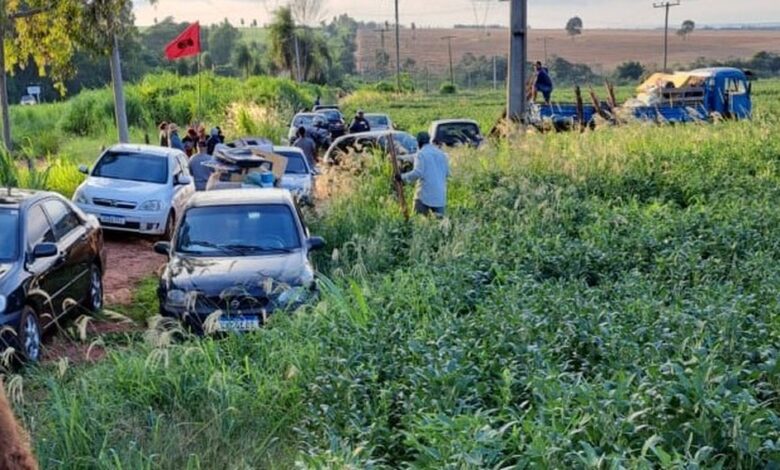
point(580, 110)
point(399, 187)
point(597, 104)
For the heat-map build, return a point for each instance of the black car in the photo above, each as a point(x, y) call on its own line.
point(51, 264)
point(336, 124)
point(237, 256)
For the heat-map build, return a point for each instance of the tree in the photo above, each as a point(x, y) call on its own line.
point(574, 27)
point(630, 71)
point(686, 28)
point(307, 12)
point(242, 58)
point(282, 38)
point(222, 41)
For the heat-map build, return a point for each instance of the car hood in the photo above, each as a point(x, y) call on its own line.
point(110, 188)
point(212, 276)
point(295, 181)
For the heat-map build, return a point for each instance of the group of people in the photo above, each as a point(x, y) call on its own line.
point(194, 139)
point(197, 145)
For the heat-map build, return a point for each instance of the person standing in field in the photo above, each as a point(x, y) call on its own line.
point(543, 82)
point(307, 145)
point(431, 170)
point(163, 134)
point(200, 172)
point(173, 137)
point(359, 124)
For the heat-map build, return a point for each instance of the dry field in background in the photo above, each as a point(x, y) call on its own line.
point(601, 49)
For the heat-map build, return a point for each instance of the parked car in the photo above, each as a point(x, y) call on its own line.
point(243, 254)
point(320, 107)
point(406, 145)
point(299, 176)
point(28, 100)
point(137, 188)
point(379, 122)
point(316, 127)
point(335, 119)
point(50, 252)
point(454, 132)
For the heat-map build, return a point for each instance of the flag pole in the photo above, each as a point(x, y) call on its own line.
point(199, 89)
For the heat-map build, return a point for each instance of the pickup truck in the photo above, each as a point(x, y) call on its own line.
point(698, 95)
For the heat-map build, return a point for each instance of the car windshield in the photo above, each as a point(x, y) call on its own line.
point(240, 230)
point(133, 167)
point(295, 163)
point(303, 120)
point(377, 121)
point(331, 115)
point(9, 234)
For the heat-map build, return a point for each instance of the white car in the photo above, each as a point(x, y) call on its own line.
point(28, 100)
point(379, 122)
point(299, 175)
point(456, 132)
point(137, 188)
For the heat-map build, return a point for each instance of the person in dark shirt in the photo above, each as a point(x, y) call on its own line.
point(163, 134)
point(359, 124)
point(307, 145)
point(212, 141)
point(543, 83)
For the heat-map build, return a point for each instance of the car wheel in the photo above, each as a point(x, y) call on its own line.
point(170, 226)
point(94, 300)
point(29, 336)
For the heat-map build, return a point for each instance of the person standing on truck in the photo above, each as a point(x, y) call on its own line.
point(431, 170)
point(543, 82)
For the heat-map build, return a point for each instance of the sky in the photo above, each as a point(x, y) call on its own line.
point(445, 13)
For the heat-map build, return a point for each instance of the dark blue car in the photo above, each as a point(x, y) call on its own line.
point(51, 264)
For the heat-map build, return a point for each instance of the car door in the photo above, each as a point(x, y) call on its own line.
point(739, 101)
point(181, 192)
point(73, 242)
point(50, 275)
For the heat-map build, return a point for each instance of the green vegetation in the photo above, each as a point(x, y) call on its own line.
point(603, 299)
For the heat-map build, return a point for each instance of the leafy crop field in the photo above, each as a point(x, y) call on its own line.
point(606, 299)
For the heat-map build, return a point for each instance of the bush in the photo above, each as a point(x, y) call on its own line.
point(448, 89)
point(630, 71)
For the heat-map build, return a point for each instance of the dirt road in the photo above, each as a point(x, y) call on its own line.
point(130, 259)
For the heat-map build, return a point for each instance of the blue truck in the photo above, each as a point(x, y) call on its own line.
point(698, 95)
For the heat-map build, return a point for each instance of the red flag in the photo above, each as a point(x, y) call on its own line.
point(186, 44)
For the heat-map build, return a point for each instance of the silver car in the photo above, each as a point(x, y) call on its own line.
point(299, 176)
point(379, 122)
point(363, 142)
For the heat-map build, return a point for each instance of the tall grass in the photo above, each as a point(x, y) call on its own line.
point(605, 299)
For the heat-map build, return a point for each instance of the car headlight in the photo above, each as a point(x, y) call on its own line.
point(3, 303)
point(151, 206)
point(176, 298)
point(293, 295)
point(80, 198)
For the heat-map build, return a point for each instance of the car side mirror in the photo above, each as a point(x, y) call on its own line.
point(750, 88)
point(316, 243)
point(84, 169)
point(45, 250)
point(183, 180)
point(162, 248)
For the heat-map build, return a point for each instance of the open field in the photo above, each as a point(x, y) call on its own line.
point(602, 299)
point(601, 49)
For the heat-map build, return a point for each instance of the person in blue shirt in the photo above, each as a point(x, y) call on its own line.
point(173, 137)
point(543, 83)
point(431, 170)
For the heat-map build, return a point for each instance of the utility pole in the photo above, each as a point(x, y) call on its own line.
point(397, 49)
point(495, 74)
point(666, 5)
point(120, 111)
point(449, 48)
point(518, 53)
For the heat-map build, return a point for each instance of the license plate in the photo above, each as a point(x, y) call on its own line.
point(112, 219)
point(239, 324)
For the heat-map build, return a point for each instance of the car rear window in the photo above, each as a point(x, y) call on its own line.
point(457, 133)
point(132, 167)
point(331, 115)
point(238, 230)
point(295, 163)
point(9, 234)
point(302, 121)
point(377, 121)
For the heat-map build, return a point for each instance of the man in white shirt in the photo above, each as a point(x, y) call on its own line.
point(431, 170)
